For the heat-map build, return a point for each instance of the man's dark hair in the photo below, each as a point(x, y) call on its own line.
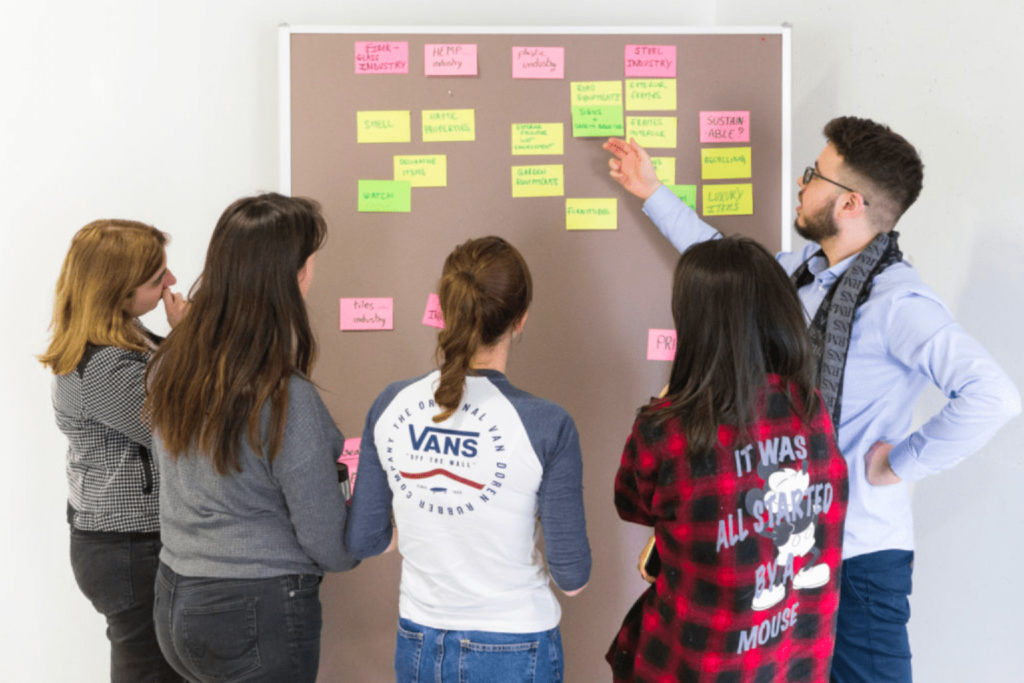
point(890, 164)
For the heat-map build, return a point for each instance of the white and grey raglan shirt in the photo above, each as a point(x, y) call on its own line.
point(467, 494)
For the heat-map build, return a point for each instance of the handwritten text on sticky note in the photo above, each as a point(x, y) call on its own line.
point(422, 170)
point(595, 93)
point(728, 200)
point(382, 57)
point(651, 94)
point(544, 180)
point(537, 138)
point(449, 59)
point(652, 131)
point(449, 125)
point(390, 196)
point(665, 169)
point(538, 62)
point(600, 122)
point(661, 344)
point(719, 163)
point(432, 315)
point(650, 61)
point(591, 214)
point(382, 126)
point(725, 126)
point(367, 314)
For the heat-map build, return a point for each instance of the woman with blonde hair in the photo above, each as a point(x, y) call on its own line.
point(467, 463)
point(114, 272)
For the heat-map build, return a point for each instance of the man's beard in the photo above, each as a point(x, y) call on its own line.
point(819, 226)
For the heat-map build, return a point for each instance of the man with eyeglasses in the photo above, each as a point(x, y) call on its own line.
point(881, 335)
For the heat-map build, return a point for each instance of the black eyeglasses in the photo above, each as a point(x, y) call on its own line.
point(810, 173)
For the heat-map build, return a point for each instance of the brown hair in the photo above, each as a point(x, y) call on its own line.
point(107, 261)
point(246, 333)
point(485, 290)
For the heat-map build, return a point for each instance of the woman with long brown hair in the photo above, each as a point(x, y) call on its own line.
point(467, 463)
point(737, 470)
point(251, 512)
point(114, 272)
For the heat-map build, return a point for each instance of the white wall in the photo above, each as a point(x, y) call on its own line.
point(167, 111)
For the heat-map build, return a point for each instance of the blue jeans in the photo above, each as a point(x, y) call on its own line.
point(871, 629)
point(239, 629)
point(115, 571)
point(430, 655)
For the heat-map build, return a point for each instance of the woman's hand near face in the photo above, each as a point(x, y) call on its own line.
point(175, 306)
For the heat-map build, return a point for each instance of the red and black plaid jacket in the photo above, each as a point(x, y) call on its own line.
point(750, 544)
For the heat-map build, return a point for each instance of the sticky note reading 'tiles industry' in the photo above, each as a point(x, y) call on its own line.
point(600, 213)
point(538, 62)
point(432, 315)
point(367, 314)
point(544, 180)
point(449, 125)
point(382, 57)
point(382, 126)
point(661, 344)
point(538, 138)
point(422, 170)
point(449, 59)
point(387, 196)
point(350, 458)
point(720, 163)
point(725, 126)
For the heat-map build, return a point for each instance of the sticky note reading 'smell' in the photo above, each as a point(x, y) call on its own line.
point(350, 457)
point(537, 138)
point(422, 170)
point(543, 180)
point(382, 57)
point(449, 59)
point(382, 126)
point(725, 126)
point(449, 125)
point(388, 196)
point(591, 214)
point(432, 316)
point(728, 200)
point(538, 62)
point(651, 94)
point(661, 344)
point(367, 314)
point(665, 169)
point(652, 131)
point(650, 61)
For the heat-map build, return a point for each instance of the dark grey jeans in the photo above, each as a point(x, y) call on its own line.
point(116, 572)
point(239, 629)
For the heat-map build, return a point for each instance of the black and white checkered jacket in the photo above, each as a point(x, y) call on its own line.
point(112, 480)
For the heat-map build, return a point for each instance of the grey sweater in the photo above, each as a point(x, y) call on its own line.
point(270, 519)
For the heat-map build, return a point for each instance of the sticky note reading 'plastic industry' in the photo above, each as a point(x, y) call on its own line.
point(719, 163)
point(537, 181)
point(728, 200)
point(389, 196)
point(432, 316)
point(687, 193)
point(382, 126)
point(591, 214)
point(661, 344)
point(422, 170)
point(367, 314)
point(449, 125)
point(350, 458)
point(538, 138)
point(650, 61)
point(652, 131)
point(449, 59)
point(538, 62)
point(665, 169)
point(382, 57)
point(725, 126)
point(651, 94)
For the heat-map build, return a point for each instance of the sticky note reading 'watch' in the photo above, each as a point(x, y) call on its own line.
point(367, 314)
point(661, 344)
point(432, 316)
point(387, 196)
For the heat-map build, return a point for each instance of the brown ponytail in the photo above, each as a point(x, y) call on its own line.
point(485, 290)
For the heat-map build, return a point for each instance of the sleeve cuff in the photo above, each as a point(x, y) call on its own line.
point(905, 464)
point(660, 204)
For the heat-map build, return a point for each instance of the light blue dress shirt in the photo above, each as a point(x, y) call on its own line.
point(903, 338)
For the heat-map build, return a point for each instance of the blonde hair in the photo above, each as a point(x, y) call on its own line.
point(107, 261)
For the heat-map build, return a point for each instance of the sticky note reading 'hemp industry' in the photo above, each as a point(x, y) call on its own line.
point(544, 180)
point(350, 457)
point(388, 196)
point(382, 57)
point(422, 170)
point(661, 344)
point(728, 200)
point(449, 125)
point(432, 316)
point(367, 314)
point(591, 214)
point(650, 61)
point(719, 163)
point(538, 138)
point(538, 62)
point(449, 59)
point(382, 126)
point(725, 126)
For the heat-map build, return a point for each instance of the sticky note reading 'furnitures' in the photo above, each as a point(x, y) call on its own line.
point(449, 59)
point(391, 196)
point(383, 126)
point(665, 169)
point(367, 314)
point(651, 94)
point(382, 57)
point(449, 125)
point(350, 458)
point(591, 214)
point(719, 163)
point(728, 200)
point(538, 138)
point(652, 131)
point(422, 170)
point(432, 316)
point(650, 61)
point(687, 193)
point(661, 344)
point(538, 62)
point(725, 126)
point(537, 181)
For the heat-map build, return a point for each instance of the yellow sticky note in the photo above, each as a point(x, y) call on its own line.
point(729, 200)
point(449, 125)
point(651, 94)
point(537, 181)
point(665, 169)
point(591, 214)
point(652, 131)
point(422, 170)
point(383, 126)
point(595, 93)
point(538, 138)
point(719, 163)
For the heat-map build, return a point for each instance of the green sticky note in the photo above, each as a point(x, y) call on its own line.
point(544, 180)
point(665, 169)
point(719, 163)
point(385, 195)
point(688, 193)
point(382, 126)
point(651, 94)
point(728, 200)
point(652, 131)
point(591, 214)
point(449, 125)
point(422, 170)
point(599, 122)
point(538, 138)
point(595, 93)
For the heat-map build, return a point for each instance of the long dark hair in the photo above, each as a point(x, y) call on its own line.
point(485, 290)
point(738, 318)
point(245, 334)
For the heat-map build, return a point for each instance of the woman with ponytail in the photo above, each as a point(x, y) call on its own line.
point(464, 464)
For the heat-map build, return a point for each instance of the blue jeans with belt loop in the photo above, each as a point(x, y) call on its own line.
point(213, 629)
point(430, 655)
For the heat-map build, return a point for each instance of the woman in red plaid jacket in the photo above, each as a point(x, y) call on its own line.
point(737, 470)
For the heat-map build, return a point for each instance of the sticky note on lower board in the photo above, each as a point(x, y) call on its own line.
point(688, 193)
point(591, 213)
point(651, 94)
point(538, 138)
point(382, 126)
point(390, 196)
point(422, 170)
point(725, 126)
point(363, 313)
point(449, 125)
point(652, 131)
point(665, 169)
point(544, 180)
point(720, 163)
point(350, 458)
point(432, 315)
point(728, 200)
point(661, 344)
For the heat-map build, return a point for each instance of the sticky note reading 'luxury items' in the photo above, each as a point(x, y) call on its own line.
point(719, 163)
point(687, 193)
point(591, 214)
point(665, 169)
point(652, 131)
point(449, 59)
point(422, 170)
point(537, 181)
point(661, 344)
point(382, 57)
point(449, 125)
point(725, 126)
point(389, 196)
point(350, 457)
point(367, 314)
point(382, 126)
point(728, 200)
point(650, 61)
point(651, 94)
point(432, 316)
point(538, 138)
point(538, 62)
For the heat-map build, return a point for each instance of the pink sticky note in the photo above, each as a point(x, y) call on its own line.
point(650, 61)
point(538, 62)
point(432, 313)
point(382, 57)
point(661, 344)
point(368, 314)
point(725, 126)
point(350, 457)
point(449, 59)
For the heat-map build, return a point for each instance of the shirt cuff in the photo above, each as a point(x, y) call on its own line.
point(904, 463)
point(661, 204)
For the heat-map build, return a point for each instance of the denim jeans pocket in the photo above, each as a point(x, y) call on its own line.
point(497, 662)
point(102, 569)
point(220, 640)
point(408, 650)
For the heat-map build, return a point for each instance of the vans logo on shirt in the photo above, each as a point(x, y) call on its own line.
point(444, 441)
